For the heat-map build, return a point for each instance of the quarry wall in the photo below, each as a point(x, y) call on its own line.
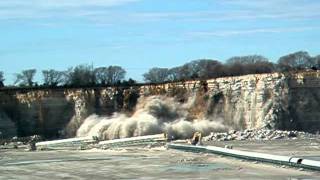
point(274, 101)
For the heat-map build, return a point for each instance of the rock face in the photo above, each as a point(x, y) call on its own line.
point(36, 112)
point(7, 127)
point(50, 112)
point(245, 102)
point(269, 101)
point(251, 101)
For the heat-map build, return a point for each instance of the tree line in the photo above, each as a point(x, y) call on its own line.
point(81, 75)
point(234, 66)
point(86, 75)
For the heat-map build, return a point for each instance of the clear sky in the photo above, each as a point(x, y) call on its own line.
point(140, 34)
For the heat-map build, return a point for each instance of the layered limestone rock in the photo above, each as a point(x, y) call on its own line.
point(274, 101)
point(303, 102)
point(43, 112)
point(248, 102)
point(60, 112)
point(244, 102)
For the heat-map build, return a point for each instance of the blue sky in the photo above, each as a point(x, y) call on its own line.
point(140, 34)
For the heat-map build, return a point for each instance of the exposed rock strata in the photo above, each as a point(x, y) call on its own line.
point(271, 101)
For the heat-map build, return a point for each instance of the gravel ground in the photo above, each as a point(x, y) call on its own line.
point(146, 163)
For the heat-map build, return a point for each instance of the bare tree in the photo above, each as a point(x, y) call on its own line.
point(174, 74)
point(207, 68)
point(202, 68)
point(1, 79)
point(67, 76)
point(115, 74)
point(156, 75)
point(296, 61)
point(190, 70)
point(80, 75)
point(317, 62)
point(252, 64)
point(25, 78)
point(101, 74)
point(52, 77)
point(184, 72)
point(110, 75)
point(250, 59)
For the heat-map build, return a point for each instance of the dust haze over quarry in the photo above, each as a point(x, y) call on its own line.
point(153, 115)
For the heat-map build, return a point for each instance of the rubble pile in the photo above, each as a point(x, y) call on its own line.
point(258, 134)
point(16, 142)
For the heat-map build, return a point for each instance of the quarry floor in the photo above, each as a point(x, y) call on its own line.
point(156, 163)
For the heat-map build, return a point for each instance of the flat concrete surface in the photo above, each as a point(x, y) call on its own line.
point(143, 163)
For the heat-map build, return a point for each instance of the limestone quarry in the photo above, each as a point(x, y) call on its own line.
point(265, 101)
point(269, 121)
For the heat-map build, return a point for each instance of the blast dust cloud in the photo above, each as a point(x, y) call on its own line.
point(153, 115)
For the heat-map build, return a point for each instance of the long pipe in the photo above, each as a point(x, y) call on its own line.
point(78, 142)
point(63, 143)
point(254, 156)
point(133, 140)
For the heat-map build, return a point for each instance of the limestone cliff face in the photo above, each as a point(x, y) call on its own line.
point(37, 112)
point(245, 102)
point(303, 102)
point(51, 112)
point(7, 127)
point(248, 102)
point(275, 101)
